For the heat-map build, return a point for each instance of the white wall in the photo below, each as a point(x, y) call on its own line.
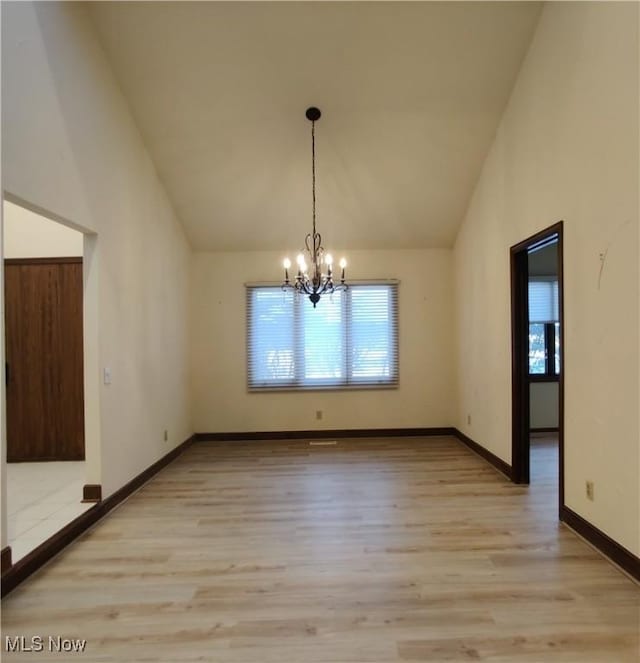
point(544, 261)
point(567, 148)
point(221, 402)
point(543, 401)
point(71, 148)
point(29, 235)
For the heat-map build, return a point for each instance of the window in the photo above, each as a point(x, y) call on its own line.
point(544, 328)
point(349, 340)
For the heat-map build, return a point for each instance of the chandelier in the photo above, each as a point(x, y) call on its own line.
point(315, 267)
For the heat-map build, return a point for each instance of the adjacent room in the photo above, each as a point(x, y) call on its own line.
point(544, 356)
point(321, 331)
point(44, 377)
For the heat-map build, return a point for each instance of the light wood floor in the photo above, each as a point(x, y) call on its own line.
point(374, 550)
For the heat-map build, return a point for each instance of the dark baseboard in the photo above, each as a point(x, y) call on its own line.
point(31, 562)
point(498, 463)
point(144, 476)
point(39, 556)
point(20, 459)
point(544, 430)
point(322, 434)
point(77, 260)
point(92, 492)
point(5, 559)
point(620, 556)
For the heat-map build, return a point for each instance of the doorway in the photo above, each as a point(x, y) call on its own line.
point(44, 376)
point(537, 328)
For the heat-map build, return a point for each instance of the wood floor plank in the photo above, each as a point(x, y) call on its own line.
point(369, 551)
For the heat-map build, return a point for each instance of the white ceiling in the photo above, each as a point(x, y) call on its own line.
point(411, 95)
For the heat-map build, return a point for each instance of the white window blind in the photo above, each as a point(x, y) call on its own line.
point(543, 300)
point(350, 339)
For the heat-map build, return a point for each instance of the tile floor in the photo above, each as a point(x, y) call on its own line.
point(41, 499)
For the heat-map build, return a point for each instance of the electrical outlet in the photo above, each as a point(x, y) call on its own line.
point(469, 419)
point(318, 414)
point(589, 488)
point(166, 435)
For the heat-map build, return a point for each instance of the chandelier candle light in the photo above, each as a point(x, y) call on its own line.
point(314, 278)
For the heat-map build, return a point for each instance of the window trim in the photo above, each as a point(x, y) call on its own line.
point(543, 377)
point(355, 386)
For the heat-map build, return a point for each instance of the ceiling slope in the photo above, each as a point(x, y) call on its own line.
point(411, 95)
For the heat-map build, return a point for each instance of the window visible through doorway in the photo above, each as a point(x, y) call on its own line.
point(544, 328)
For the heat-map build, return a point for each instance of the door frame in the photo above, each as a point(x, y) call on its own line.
point(91, 329)
point(520, 415)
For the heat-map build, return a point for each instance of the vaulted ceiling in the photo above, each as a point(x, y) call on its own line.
point(411, 95)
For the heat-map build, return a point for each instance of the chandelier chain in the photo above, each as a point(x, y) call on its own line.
point(313, 172)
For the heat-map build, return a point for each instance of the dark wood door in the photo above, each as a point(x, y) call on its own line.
point(45, 390)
